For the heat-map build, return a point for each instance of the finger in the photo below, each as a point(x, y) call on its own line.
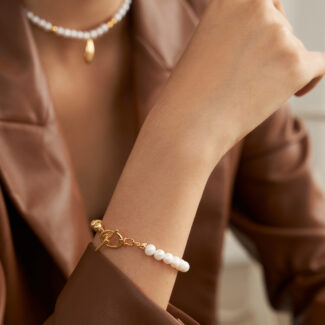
point(279, 6)
point(316, 61)
point(285, 22)
point(312, 84)
point(279, 17)
point(315, 70)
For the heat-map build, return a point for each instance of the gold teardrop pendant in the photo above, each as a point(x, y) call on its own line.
point(89, 51)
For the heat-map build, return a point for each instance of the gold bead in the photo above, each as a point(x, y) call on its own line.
point(97, 225)
point(111, 22)
point(54, 28)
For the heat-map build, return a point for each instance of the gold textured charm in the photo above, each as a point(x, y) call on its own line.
point(89, 51)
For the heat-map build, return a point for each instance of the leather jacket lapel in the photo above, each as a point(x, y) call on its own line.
point(162, 29)
point(35, 166)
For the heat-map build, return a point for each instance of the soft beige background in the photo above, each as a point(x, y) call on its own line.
point(242, 296)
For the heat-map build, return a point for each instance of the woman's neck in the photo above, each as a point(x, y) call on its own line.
point(74, 14)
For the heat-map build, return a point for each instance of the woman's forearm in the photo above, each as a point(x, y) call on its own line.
point(242, 63)
point(156, 200)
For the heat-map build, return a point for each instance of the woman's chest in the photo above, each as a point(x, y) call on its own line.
point(95, 110)
point(99, 137)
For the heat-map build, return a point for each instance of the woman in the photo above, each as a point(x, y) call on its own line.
point(215, 128)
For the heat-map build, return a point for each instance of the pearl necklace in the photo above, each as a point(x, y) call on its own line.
point(88, 35)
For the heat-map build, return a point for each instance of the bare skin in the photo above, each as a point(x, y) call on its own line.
point(250, 54)
point(93, 102)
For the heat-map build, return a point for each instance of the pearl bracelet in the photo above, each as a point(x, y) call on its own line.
point(114, 239)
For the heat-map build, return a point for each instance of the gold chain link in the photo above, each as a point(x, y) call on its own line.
point(107, 235)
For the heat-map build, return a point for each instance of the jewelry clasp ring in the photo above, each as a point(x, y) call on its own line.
point(107, 235)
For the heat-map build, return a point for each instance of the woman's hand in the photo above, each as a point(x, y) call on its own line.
point(241, 65)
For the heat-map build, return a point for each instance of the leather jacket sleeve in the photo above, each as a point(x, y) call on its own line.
point(99, 293)
point(279, 215)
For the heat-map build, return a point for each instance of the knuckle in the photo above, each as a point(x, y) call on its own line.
point(256, 6)
point(254, 3)
point(286, 49)
point(293, 61)
point(278, 34)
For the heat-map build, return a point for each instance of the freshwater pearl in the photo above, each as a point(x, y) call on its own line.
point(67, 33)
point(175, 262)
point(159, 254)
point(30, 15)
point(118, 16)
point(42, 23)
point(48, 26)
point(183, 266)
point(93, 34)
point(168, 258)
point(60, 30)
point(36, 20)
point(104, 27)
point(150, 249)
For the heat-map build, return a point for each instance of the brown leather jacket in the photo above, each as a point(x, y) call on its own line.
point(263, 188)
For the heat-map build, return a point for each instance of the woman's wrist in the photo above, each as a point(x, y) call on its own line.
point(155, 201)
point(196, 143)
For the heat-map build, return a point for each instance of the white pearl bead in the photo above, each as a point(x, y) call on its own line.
point(30, 15)
point(87, 35)
point(67, 33)
point(80, 34)
point(34, 19)
point(94, 34)
point(104, 27)
point(175, 262)
point(180, 265)
point(118, 16)
point(185, 266)
point(48, 26)
point(159, 254)
point(150, 249)
point(74, 33)
point(84, 35)
point(42, 23)
point(99, 31)
point(60, 30)
point(168, 258)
